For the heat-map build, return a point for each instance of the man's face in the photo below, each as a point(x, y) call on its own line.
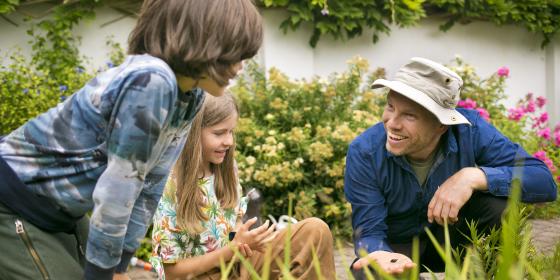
point(412, 131)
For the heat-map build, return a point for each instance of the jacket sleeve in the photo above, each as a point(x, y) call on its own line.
point(503, 161)
point(137, 123)
point(368, 203)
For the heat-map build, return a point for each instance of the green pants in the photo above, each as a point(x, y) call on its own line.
point(31, 253)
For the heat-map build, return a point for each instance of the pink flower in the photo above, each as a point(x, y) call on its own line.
point(530, 107)
point(484, 114)
point(503, 72)
point(544, 133)
point(558, 178)
point(550, 165)
point(541, 101)
point(557, 138)
point(540, 155)
point(557, 127)
point(516, 114)
point(543, 118)
point(467, 103)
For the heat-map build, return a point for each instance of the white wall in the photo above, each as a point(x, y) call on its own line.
point(93, 33)
point(484, 45)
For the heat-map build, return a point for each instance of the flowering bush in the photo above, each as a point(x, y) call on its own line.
point(293, 135)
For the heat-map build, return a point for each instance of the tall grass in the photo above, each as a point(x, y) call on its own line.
point(505, 253)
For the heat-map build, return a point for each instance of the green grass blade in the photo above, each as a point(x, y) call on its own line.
point(415, 257)
point(345, 264)
point(267, 261)
point(510, 230)
point(287, 238)
point(316, 264)
point(286, 275)
point(247, 265)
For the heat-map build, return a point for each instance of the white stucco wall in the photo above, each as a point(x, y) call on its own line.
point(483, 45)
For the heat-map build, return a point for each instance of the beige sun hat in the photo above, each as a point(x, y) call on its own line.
point(430, 84)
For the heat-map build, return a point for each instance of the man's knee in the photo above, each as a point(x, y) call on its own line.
point(486, 209)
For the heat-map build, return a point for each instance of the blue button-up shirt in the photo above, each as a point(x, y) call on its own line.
point(388, 203)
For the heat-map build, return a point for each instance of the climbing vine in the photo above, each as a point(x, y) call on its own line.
point(340, 19)
point(349, 18)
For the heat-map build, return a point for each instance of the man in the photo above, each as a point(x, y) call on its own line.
point(428, 162)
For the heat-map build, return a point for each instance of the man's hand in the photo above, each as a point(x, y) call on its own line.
point(392, 263)
point(454, 193)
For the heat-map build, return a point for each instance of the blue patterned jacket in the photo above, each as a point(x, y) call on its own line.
point(107, 148)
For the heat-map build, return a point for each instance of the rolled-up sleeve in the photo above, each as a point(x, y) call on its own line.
point(504, 161)
point(368, 204)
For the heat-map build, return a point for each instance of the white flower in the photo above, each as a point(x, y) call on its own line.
point(250, 160)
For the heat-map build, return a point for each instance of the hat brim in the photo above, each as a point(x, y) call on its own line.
point(445, 116)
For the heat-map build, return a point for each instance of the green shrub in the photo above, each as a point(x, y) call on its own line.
point(26, 92)
point(293, 135)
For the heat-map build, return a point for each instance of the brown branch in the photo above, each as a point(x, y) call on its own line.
point(113, 20)
point(9, 20)
point(33, 2)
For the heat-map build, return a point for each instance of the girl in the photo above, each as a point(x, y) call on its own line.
point(110, 146)
point(201, 206)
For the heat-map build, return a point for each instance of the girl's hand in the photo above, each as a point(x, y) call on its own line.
point(257, 238)
point(245, 250)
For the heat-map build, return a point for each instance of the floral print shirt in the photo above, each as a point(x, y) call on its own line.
point(172, 243)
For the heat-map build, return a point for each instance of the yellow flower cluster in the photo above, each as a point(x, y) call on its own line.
point(296, 135)
point(279, 104)
point(364, 116)
point(344, 133)
point(279, 175)
point(277, 78)
point(323, 131)
point(319, 151)
point(336, 170)
point(360, 63)
point(271, 147)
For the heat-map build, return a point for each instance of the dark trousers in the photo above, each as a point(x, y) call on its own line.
point(32, 253)
point(483, 208)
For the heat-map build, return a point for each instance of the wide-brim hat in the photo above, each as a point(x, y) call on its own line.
point(431, 85)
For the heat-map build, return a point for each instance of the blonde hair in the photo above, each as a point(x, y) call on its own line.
point(189, 166)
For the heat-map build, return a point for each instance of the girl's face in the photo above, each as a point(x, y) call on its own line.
point(216, 141)
point(210, 86)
